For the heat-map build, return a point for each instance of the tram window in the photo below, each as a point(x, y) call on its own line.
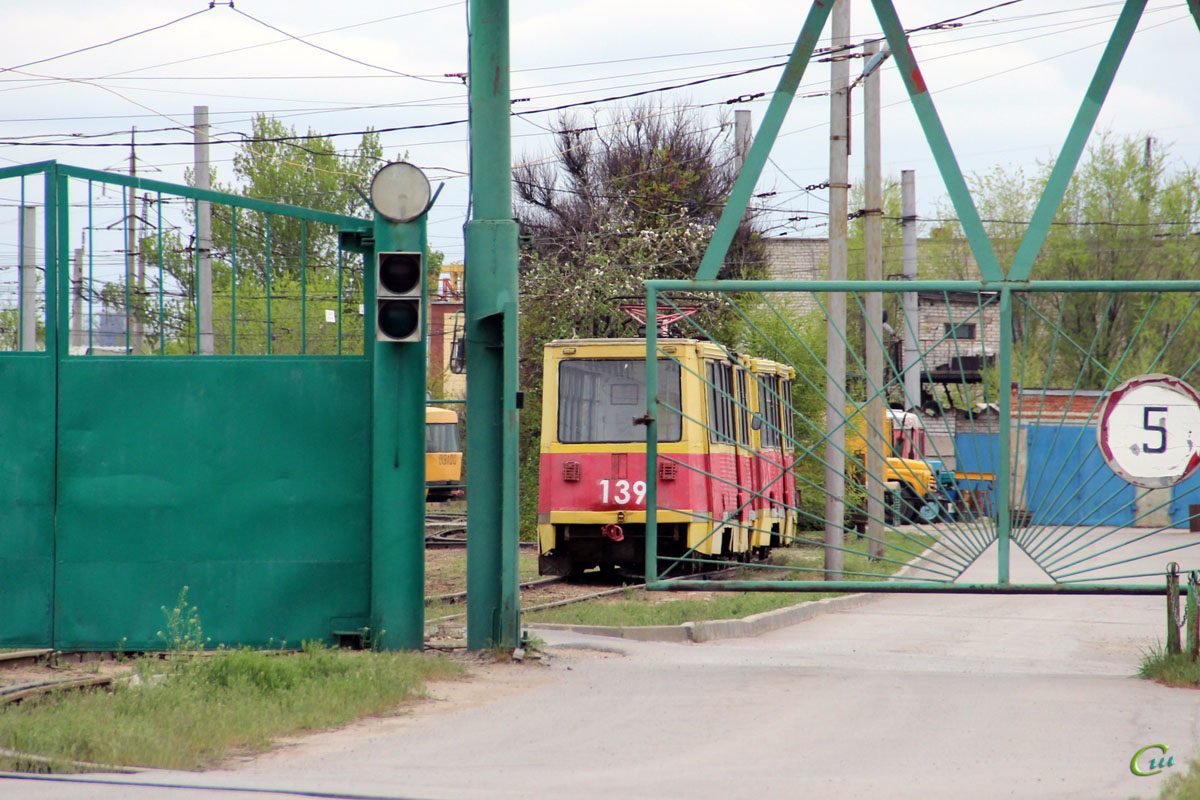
point(441, 437)
point(599, 399)
point(768, 409)
point(743, 405)
point(789, 425)
point(720, 402)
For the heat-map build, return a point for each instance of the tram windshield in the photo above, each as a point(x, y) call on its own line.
point(599, 399)
point(441, 437)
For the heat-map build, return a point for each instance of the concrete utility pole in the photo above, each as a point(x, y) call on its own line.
point(204, 297)
point(139, 327)
point(912, 358)
point(78, 334)
point(741, 136)
point(131, 340)
point(741, 143)
point(873, 242)
point(29, 279)
point(835, 358)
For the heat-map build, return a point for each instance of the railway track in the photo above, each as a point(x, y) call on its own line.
point(721, 573)
point(26, 691)
point(444, 530)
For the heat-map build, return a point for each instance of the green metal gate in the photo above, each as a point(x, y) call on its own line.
point(1058, 522)
point(1018, 518)
point(134, 467)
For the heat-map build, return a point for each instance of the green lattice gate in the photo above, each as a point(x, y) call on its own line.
point(134, 467)
point(1020, 495)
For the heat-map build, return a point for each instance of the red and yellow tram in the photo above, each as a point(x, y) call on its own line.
point(725, 483)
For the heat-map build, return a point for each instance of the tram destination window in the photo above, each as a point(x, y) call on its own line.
point(599, 399)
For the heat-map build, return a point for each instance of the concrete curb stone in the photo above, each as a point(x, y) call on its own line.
point(711, 630)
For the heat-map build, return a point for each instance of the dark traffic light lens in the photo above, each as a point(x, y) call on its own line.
point(398, 319)
point(400, 272)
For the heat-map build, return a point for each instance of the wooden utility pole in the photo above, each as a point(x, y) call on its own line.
point(835, 358)
point(873, 242)
point(204, 297)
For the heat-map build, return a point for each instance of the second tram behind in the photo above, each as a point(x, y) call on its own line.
point(443, 454)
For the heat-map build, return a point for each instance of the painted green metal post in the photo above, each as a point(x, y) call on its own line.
point(493, 605)
point(1004, 438)
point(1081, 128)
point(1173, 610)
point(760, 149)
point(652, 412)
point(1193, 620)
point(939, 144)
point(397, 469)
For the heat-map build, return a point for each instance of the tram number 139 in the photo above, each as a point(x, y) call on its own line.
point(621, 492)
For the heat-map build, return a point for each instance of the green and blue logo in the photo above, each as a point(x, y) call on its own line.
point(1157, 762)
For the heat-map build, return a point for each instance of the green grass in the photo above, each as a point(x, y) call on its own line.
point(1170, 670)
point(1182, 785)
point(1179, 671)
point(639, 607)
point(235, 701)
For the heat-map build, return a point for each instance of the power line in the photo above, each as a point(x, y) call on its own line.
point(110, 41)
point(334, 52)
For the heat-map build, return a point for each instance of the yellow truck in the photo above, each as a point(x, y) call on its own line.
point(911, 482)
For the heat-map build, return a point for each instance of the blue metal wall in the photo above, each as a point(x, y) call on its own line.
point(1068, 483)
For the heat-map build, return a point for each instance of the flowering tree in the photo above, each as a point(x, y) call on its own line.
point(620, 202)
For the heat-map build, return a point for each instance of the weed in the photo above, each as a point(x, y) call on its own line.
point(236, 701)
point(1170, 670)
point(184, 636)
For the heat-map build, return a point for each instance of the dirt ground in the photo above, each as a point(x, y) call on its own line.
point(58, 669)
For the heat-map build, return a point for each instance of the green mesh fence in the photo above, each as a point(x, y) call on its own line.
point(990, 479)
point(132, 250)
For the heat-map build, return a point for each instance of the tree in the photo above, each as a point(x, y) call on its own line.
point(1130, 213)
point(620, 202)
point(270, 272)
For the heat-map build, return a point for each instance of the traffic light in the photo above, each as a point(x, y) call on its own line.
point(400, 278)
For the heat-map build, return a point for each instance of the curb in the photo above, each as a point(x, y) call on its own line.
point(711, 630)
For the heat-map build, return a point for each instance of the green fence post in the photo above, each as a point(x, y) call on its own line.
point(1173, 609)
point(397, 468)
point(493, 604)
point(1004, 439)
point(1193, 618)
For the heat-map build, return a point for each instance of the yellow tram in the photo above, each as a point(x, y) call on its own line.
point(725, 475)
point(443, 454)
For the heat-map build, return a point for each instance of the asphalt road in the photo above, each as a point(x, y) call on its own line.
point(904, 697)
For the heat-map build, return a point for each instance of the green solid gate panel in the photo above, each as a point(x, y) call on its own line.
point(26, 499)
point(245, 480)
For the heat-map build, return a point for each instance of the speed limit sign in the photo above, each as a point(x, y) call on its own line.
point(1149, 430)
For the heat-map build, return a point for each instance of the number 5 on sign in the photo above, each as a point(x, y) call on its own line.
point(1149, 430)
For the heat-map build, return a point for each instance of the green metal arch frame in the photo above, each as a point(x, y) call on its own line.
point(943, 153)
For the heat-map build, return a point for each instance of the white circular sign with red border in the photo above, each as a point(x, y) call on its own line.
point(1149, 430)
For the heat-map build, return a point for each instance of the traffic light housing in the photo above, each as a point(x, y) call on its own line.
point(399, 281)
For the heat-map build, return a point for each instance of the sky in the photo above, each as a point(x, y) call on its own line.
point(1007, 83)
